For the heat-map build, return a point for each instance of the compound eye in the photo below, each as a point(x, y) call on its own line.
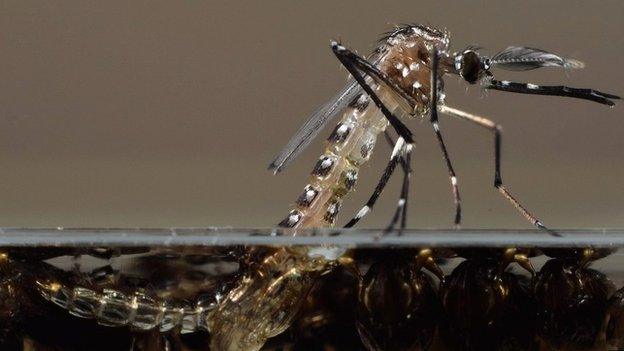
point(470, 66)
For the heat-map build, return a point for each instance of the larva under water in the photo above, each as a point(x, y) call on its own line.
point(112, 308)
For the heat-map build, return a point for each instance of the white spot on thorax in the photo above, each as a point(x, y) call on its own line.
point(531, 86)
point(405, 72)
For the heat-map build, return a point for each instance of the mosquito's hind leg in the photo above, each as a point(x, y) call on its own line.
point(399, 152)
point(401, 209)
point(498, 180)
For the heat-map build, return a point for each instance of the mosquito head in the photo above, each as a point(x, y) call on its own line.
point(470, 65)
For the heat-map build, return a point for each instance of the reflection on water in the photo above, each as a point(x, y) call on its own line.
point(301, 297)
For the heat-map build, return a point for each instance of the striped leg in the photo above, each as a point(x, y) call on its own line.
point(436, 127)
point(401, 209)
point(498, 180)
point(401, 150)
point(358, 67)
point(554, 90)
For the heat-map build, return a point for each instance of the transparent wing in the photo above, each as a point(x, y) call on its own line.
point(518, 58)
point(313, 126)
point(319, 119)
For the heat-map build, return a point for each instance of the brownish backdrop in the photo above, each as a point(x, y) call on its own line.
point(162, 113)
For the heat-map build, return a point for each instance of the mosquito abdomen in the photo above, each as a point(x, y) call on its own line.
point(335, 174)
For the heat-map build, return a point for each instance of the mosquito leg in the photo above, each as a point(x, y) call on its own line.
point(405, 194)
point(357, 66)
point(436, 127)
point(401, 209)
point(392, 143)
point(554, 90)
point(498, 180)
point(399, 149)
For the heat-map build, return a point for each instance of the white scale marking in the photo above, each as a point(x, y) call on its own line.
point(398, 147)
point(405, 72)
point(310, 195)
point(363, 211)
point(293, 218)
point(342, 129)
point(436, 127)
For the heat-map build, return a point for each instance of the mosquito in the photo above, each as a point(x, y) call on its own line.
point(402, 80)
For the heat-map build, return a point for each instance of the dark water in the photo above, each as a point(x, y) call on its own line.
point(231, 290)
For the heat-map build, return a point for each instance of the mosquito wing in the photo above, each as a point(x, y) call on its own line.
point(519, 58)
point(313, 126)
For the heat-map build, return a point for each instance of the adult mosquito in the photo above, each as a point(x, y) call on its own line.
point(403, 79)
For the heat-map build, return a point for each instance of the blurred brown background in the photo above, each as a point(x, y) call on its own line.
point(160, 113)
